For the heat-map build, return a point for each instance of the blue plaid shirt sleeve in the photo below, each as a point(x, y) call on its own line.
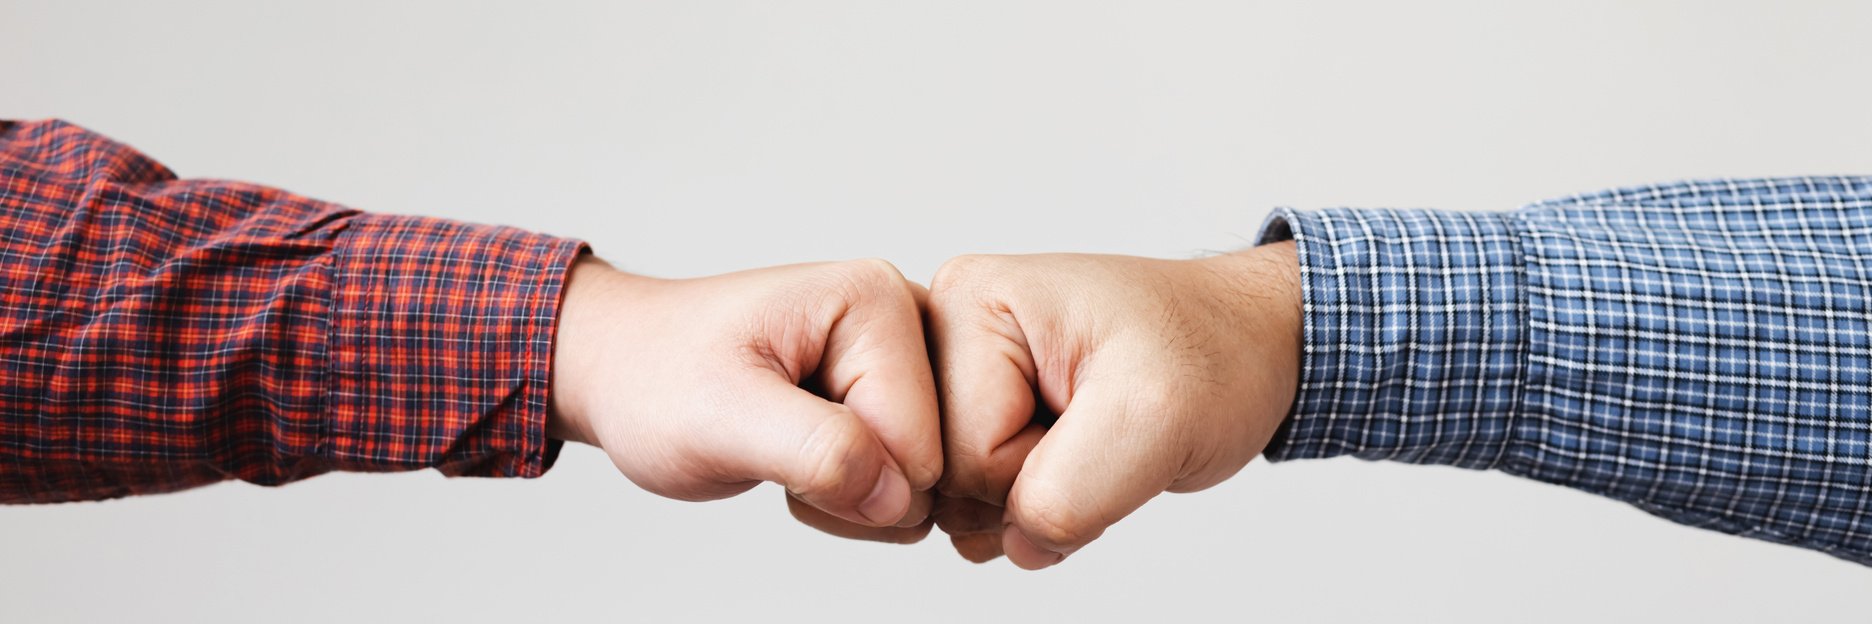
point(1700, 350)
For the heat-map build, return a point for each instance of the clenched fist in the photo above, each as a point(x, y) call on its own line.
point(811, 376)
point(1165, 375)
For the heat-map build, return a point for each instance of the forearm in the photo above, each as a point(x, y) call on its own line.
point(1697, 350)
point(162, 334)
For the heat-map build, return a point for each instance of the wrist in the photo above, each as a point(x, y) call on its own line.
point(578, 344)
point(1263, 302)
point(1277, 268)
point(1261, 287)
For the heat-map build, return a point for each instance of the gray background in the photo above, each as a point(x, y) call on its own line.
point(688, 138)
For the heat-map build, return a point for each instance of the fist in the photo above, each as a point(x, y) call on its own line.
point(1077, 387)
point(811, 376)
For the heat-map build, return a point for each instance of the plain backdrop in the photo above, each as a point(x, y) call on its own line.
point(689, 138)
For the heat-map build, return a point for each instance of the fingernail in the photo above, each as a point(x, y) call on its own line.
point(889, 499)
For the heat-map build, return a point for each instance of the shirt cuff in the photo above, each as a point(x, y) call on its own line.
point(441, 342)
point(1414, 335)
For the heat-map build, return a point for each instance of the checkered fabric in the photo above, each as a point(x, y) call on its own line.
point(1700, 350)
point(158, 334)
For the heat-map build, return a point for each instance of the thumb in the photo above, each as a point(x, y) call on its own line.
point(821, 451)
point(1103, 459)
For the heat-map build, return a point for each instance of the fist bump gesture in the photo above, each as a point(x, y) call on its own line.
point(1021, 404)
point(1165, 375)
point(1073, 388)
point(814, 377)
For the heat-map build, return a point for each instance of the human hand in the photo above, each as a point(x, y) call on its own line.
point(1166, 376)
point(694, 388)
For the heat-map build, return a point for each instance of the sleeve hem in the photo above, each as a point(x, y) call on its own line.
point(441, 346)
point(1413, 334)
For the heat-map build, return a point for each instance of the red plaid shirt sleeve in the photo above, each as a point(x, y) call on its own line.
point(158, 334)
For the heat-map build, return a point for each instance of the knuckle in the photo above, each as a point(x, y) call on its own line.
point(864, 282)
point(879, 267)
point(871, 273)
point(949, 484)
point(962, 474)
point(924, 473)
point(959, 271)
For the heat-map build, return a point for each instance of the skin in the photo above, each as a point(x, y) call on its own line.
point(1165, 376)
point(815, 377)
